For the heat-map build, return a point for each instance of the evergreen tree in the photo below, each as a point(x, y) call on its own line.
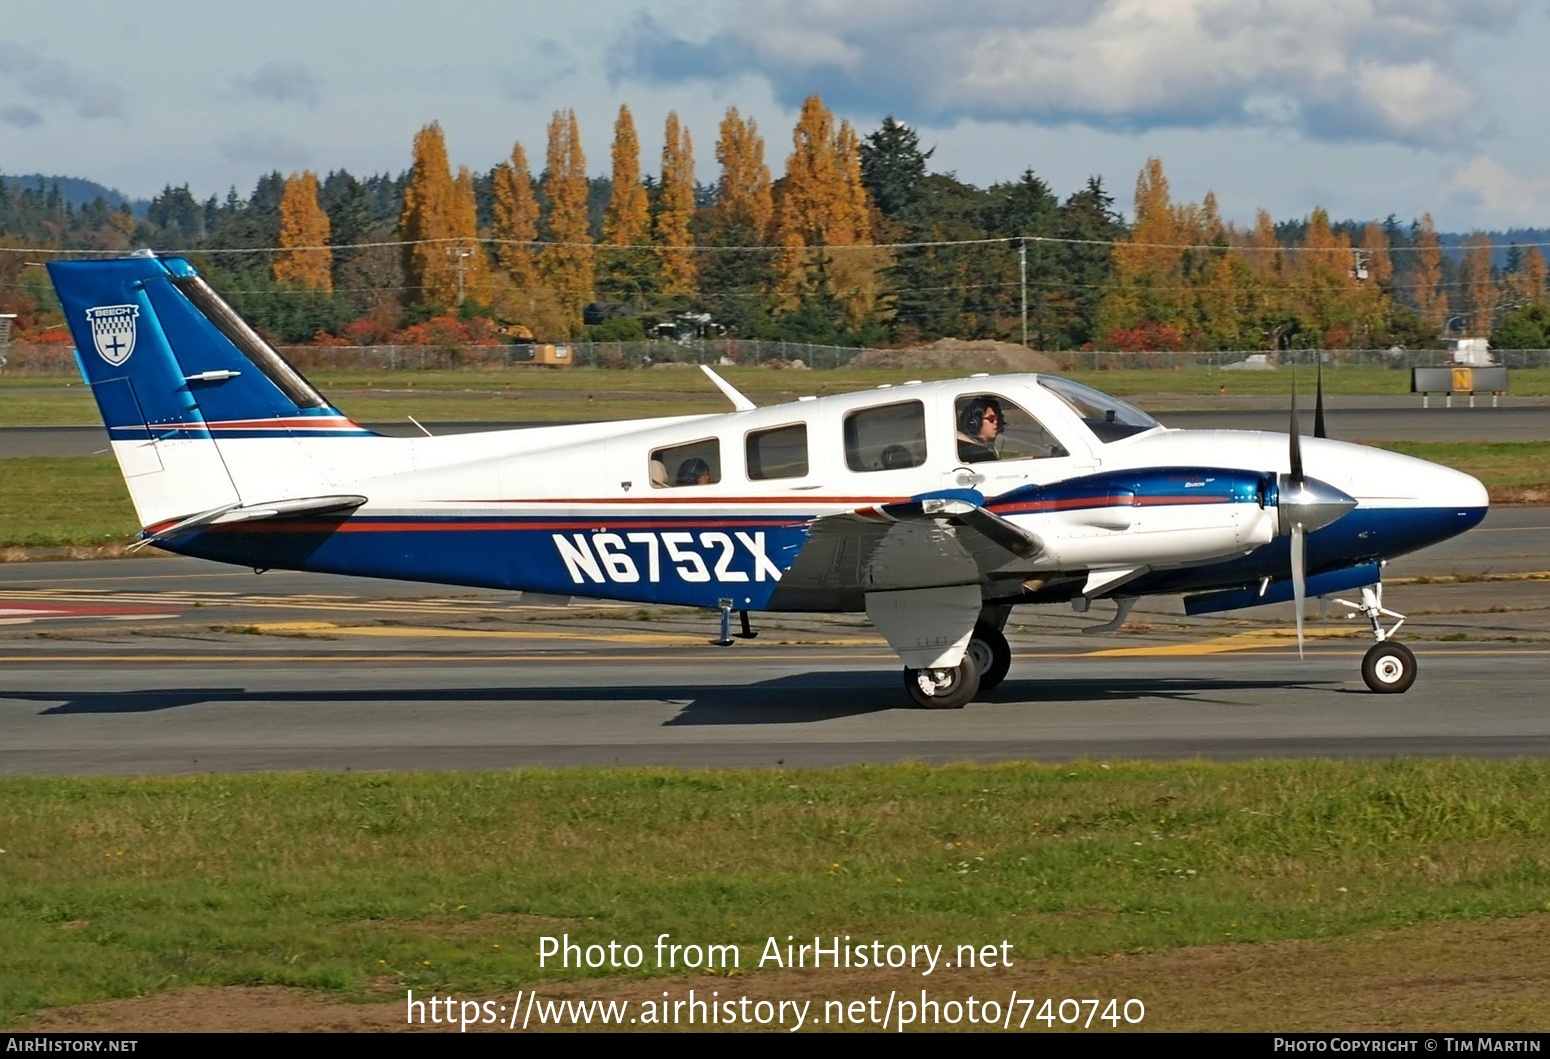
point(893, 167)
point(1088, 221)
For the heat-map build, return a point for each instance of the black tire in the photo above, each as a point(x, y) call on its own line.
point(943, 689)
point(991, 654)
point(1389, 668)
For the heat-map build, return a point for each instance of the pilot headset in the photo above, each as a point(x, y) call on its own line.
point(974, 415)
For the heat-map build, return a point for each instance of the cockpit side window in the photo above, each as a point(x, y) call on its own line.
point(888, 437)
point(990, 427)
point(697, 463)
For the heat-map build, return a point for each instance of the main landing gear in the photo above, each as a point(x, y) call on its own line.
point(1388, 668)
point(985, 664)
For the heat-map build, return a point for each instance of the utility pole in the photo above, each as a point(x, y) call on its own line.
point(1022, 268)
point(460, 255)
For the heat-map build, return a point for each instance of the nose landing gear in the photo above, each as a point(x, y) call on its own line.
point(1388, 668)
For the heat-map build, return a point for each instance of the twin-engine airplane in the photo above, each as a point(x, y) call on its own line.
point(933, 507)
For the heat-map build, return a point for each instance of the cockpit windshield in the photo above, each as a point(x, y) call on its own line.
point(1109, 418)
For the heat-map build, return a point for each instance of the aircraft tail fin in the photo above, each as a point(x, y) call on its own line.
point(175, 371)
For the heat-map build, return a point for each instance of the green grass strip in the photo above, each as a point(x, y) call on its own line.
point(445, 882)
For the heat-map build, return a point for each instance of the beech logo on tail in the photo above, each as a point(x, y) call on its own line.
point(113, 331)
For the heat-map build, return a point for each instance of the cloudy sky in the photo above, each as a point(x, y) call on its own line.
point(1364, 107)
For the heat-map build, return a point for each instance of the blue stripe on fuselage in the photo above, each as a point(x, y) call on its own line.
point(691, 562)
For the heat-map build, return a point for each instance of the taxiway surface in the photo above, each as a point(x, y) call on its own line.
point(165, 665)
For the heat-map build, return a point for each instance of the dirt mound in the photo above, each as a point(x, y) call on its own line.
point(958, 354)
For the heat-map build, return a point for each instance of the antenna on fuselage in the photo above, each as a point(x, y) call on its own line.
point(739, 402)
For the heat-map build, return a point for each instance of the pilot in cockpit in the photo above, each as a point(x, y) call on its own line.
point(693, 471)
point(980, 423)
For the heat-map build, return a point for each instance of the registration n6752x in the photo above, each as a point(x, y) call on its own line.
point(648, 555)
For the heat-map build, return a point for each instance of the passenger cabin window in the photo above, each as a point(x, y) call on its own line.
point(697, 463)
point(887, 438)
point(780, 452)
point(990, 427)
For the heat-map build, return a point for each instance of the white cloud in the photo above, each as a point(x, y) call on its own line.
point(1331, 69)
point(269, 150)
point(47, 80)
point(1506, 197)
point(283, 80)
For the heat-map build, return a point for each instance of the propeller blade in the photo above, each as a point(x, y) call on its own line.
point(1299, 582)
point(1318, 405)
point(1295, 444)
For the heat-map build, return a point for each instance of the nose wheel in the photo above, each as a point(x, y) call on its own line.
point(1388, 668)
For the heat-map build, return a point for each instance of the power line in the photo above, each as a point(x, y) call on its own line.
point(1010, 242)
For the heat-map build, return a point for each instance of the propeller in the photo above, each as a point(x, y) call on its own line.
point(1305, 504)
point(1318, 404)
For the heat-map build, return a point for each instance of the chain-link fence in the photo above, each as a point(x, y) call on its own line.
point(56, 359)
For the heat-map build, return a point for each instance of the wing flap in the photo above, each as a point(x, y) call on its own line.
point(925, 542)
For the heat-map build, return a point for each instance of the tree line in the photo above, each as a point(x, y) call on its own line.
point(857, 241)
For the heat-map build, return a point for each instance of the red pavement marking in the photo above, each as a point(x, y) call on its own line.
point(73, 610)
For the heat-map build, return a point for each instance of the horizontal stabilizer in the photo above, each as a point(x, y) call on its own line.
point(313, 505)
point(1282, 591)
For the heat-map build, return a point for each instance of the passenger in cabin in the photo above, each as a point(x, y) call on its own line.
point(980, 424)
point(893, 457)
point(693, 472)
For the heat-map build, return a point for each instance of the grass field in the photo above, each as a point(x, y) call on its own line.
point(444, 883)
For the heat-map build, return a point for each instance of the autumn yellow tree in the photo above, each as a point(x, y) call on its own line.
point(1373, 304)
point(515, 219)
point(466, 256)
point(627, 221)
point(1479, 284)
point(1431, 303)
point(740, 218)
point(305, 259)
point(1148, 283)
point(566, 267)
point(430, 222)
point(822, 206)
point(630, 271)
point(1326, 289)
point(1526, 283)
point(675, 211)
point(744, 204)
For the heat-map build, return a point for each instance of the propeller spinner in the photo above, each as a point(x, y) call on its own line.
point(1305, 504)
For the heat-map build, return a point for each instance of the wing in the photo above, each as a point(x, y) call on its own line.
point(927, 542)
